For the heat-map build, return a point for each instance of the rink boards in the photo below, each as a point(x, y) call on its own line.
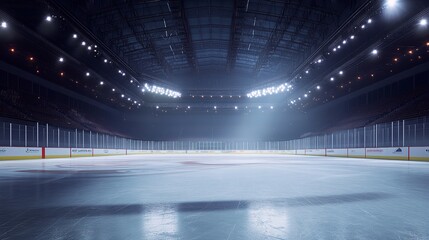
point(396, 153)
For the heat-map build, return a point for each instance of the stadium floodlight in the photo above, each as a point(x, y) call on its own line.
point(332, 79)
point(101, 83)
point(235, 107)
point(307, 71)
point(89, 47)
point(344, 41)
point(48, 18)
point(189, 107)
point(61, 59)
point(352, 37)
point(319, 61)
point(341, 72)
point(374, 52)
point(87, 74)
point(131, 81)
point(75, 35)
point(157, 107)
point(215, 107)
point(271, 107)
point(335, 49)
point(423, 22)
point(4, 24)
point(370, 21)
point(318, 87)
point(105, 60)
point(259, 107)
point(122, 95)
point(269, 91)
point(391, 3)
point(113, 89)
point(83, 43)
point(162, 91)
point(363, 26)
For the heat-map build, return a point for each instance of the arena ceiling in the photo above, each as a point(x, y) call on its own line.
point(214, 52)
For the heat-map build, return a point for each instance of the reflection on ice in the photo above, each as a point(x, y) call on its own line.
point(160, 223)
point(268, 220)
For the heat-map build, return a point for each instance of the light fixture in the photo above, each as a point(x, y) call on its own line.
point(271, 107)
point(363, 26)
point(235, 107)
point(269, 90)
point(215, 107)
point(307, 71)
point(189, 107)
point(83, 43)
point(370, 21)
point(4, 24)
point(129, 99)
point(391, 3)
point(105, 60)
point(332, 79)
point(75, 35)
point(259, 107)
point(157, 107)
point(319, 61)
point(89, 47)
point(335, 49)
point(48, 18)
point(131, 81)
point(61, 59)
point(374, 52)
point(344, 41)
point(87, 74)
point(318, 87)
point(341, 72)
point(122, 95)
point(423, 22)
point(305, 95)
point(162, 91)
point(101, 83)
point(123, 74)
point(113, 89)
point(352, 37)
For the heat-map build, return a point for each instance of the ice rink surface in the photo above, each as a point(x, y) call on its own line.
point(214, 197)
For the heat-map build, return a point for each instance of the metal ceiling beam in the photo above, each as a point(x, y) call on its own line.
point(282, 25)
point(179, 13)
point(234, 35)
point(141, 35)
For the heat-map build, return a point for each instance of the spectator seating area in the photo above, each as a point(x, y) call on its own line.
point(32, 108)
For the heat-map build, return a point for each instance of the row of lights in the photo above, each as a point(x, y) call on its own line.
point(161, 91)
point(389, 4)
point(215, 107)
point(153, 89)
point(270, 90)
